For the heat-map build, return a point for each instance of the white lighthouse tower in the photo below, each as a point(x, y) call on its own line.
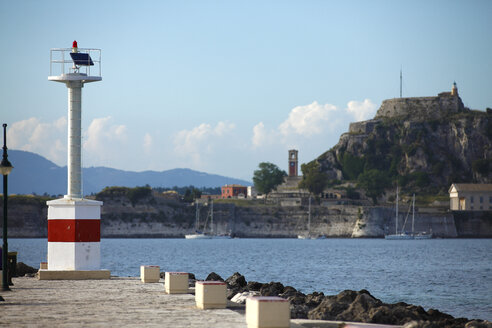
point(74, 222)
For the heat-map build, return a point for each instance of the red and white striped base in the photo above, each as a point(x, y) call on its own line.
point(74, 234)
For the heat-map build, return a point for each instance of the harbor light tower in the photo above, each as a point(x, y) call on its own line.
point(74, 222)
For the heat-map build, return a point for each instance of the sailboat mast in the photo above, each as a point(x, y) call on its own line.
point(197, 217)
point(212, 217)
point(413, 213)
point(309, 215)
point(401, 81)
point(396, 215)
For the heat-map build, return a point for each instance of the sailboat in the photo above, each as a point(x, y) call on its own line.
point(403, 235)
point(202, 234)
point(213, 234)
point(198, 234)
point(308, 234)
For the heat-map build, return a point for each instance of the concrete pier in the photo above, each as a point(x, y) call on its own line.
point(119, 302)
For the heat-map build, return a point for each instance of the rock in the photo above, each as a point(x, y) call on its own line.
point(314, 299)
point(299, 311)
point(230, 293)
point(478, 324)
point(214, 277)
point(381, 314)
point(347, 296)
point(403, 314)
point(235, 284)
point(328, 309)
point(254, 286)
point(272, 289)
point(448, 323)
point(23, 269)
point(435, 315)
point(237, 280)
point(298, 307)
point(2, 299)
point(420, 324)
point(241, 297)
point(191, 279)
point(294, 296)
point(359, 309)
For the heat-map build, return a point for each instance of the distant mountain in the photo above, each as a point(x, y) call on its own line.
point(33, 173)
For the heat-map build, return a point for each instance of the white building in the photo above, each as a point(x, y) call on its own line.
point(470, 197)
point(252, 192)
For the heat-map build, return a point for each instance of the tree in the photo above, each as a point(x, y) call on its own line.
point(352, 166)
point(267, 177)
point(373, 182)
point(313, 179)
point(192, 194)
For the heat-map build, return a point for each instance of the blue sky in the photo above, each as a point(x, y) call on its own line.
point(220, 86)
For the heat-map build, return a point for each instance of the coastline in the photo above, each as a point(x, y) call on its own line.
point(166, 219)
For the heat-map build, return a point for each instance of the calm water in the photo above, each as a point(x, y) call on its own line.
point(451, 275)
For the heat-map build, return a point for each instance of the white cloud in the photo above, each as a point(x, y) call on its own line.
point(361, 110)
point(105, 144)
point(309, 126)
point(101, 136)
point(307, 120)
point(47, 139)
point(303, 123)
point(223, 127)
point(147, 143)
point(259, 135)
point(201, 141)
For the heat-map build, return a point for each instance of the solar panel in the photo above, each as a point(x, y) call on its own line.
point(81, 59)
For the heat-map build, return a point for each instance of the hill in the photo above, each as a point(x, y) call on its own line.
point(33, 173)
point(424, 144)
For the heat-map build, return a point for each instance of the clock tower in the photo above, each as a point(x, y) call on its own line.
point(293, 163)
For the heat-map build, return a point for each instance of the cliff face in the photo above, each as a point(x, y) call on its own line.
point(434, 140)
point(27, 216)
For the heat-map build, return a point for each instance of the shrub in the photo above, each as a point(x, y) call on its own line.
point(138, 193)
point(374, 182)
point(352, 166)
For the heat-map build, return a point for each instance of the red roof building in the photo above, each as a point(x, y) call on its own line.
point(234, 191)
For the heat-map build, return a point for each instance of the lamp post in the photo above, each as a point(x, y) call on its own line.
point(5, 168)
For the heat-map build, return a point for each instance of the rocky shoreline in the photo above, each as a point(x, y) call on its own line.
point(349, 305)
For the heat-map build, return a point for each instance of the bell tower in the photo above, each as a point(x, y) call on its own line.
point(293, 163)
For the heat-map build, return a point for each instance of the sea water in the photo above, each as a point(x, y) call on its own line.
point(451, 275)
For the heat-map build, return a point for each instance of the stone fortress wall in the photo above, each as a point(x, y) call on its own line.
point(414, 108)
point(422, 108)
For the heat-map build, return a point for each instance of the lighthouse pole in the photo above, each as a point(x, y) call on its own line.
point(74, 165)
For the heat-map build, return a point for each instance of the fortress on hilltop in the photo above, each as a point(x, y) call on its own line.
point(418, 108)
point(414, 109)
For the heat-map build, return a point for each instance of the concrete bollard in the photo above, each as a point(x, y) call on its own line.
point(150, 273)
point(176, 282)
point(267, 312)
point(210, 294)
point(43, 265)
